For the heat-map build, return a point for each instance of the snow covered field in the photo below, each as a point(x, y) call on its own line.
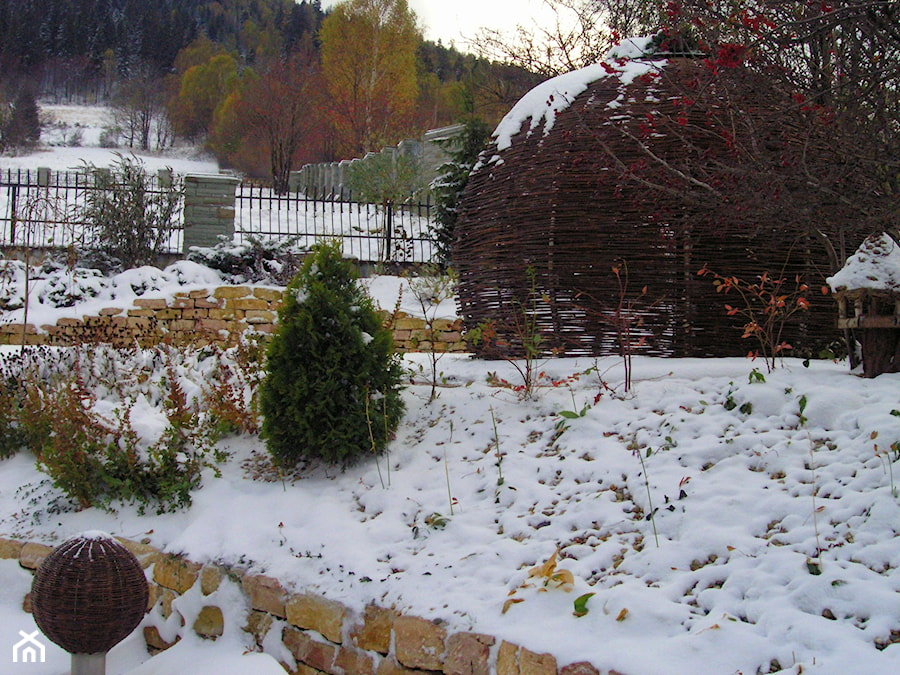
point(91, 120)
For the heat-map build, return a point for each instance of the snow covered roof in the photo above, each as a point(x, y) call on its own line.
point(543, 103)
point(874, 266)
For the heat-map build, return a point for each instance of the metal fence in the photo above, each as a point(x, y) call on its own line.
point(44, 209)
point(40, 208)
point(398, 233)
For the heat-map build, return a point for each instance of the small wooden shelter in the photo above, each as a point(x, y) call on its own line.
point(578, 221)
point(867, 290)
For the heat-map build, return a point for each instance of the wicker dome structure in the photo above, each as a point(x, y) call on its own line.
point(89, 594)
point(605, 191)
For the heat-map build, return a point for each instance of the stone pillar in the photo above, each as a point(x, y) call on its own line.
point(410, 148)
point(331, 178)
point(318, 180)
point(335, 178)
point(295, 180)
point(208, 209)
point(433, 152)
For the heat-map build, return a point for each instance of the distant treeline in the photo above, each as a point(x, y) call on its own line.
point(83, 46)
point(80, 49)
point(33, 32)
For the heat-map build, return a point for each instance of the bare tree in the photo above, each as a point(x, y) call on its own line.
point(833, 70)
point(582, 33)
point(139, 111)
point(282, 105)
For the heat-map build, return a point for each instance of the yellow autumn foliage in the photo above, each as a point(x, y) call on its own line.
point(369, 65)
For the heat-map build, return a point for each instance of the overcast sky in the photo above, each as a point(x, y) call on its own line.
point(457, 20)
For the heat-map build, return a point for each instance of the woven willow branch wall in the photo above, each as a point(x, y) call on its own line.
point(686, 167)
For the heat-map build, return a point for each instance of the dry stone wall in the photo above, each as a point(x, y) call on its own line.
point(205, 316)
point(321, 635)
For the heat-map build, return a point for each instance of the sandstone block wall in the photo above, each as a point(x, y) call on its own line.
point(206, 316)
point(321, 635)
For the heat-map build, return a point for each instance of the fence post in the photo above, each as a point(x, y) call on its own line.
point(388, 230)
point(13, 213)
point(209, 207)
point(295, 181)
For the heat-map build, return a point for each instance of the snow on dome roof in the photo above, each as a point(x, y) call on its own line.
point(545, 101)
point(91, 534)
point(874, 266)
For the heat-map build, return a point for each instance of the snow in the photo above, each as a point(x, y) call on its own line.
point(91, 120)
point(358, 226)
point(64, 158)
point(875, 266)
point(388, 289)
point(94, 535)
point(86, 292)
point(756, 480)
point(773, 537)
point(543, 103)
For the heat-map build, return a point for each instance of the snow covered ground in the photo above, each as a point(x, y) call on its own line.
point(772, 542)
point(91, 120)
point(725, 519)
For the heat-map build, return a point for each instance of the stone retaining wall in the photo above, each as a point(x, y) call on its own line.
point(323, 636)
point(207, 316)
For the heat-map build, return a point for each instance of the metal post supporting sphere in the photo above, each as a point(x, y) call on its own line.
point(89, 594)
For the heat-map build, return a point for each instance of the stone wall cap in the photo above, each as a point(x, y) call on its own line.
point(212, 176)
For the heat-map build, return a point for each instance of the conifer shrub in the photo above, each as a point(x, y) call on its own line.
point(332, 386)
point(462, 150)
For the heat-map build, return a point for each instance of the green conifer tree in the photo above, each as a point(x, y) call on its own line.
point(23, 129)
point(332, 388)
point(453, 175)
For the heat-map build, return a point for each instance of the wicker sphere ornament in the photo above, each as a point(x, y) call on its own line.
point(89, 594)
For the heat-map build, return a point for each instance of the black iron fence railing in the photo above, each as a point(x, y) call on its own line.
point(45, 209)
point(399, 232)
point(41, 209)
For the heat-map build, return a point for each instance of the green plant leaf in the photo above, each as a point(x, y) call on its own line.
point(569, 414)
point(581, 604)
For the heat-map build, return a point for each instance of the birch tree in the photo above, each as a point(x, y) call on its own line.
point(369, 65)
